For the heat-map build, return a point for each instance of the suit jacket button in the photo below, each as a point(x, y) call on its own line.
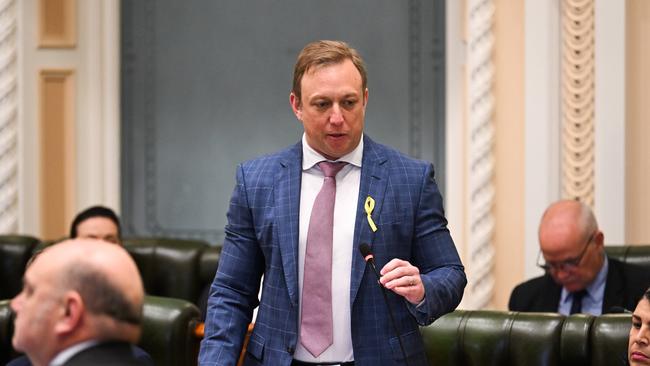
point(290, 350)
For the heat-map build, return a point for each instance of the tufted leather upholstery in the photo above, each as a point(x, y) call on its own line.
point(169, 267)
point(636, 254)
point(208, 264)
point(472, 338)
point(167, 334)
point(168, 331)
point(15, 251)
point(609, 337)
point(6, 331)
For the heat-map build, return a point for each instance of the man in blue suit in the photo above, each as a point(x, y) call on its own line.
point(383, 198)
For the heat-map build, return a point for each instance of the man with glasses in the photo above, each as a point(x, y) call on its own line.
point(579, 277)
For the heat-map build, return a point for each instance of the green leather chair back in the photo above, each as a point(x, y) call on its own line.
point(636, 254)
point(168, 331)
point(473, 338)
point(169, 267)
point(15, 251)
point(609, 337)
point(6, 332)
point(575, 347)
point(209, 263)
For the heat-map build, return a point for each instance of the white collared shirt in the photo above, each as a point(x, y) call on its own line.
point(347, 195)
point(63, 356)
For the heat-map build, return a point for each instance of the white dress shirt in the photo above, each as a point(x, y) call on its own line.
point(63, 356)
point(347, 195)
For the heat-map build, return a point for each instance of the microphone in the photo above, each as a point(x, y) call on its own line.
point(618, 310)
point(370, 259)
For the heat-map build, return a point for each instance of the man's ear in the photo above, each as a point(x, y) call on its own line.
point(295, 105)
point(599, 238)
point(72, 313)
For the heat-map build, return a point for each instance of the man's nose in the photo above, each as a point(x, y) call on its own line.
point(561, 273)
point(16, 302)
point(337, 115)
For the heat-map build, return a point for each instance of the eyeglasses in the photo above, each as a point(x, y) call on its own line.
point(565, 265)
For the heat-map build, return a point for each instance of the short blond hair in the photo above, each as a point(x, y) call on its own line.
point(323, 53)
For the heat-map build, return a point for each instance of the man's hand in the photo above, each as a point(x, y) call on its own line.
point(403, 278)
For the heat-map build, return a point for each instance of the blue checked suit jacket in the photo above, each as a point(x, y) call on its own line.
point(262, 239)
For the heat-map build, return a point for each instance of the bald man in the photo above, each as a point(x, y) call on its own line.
point(81, 304)
point(579, 277)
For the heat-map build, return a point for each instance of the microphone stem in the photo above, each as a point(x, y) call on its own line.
point(390, 313)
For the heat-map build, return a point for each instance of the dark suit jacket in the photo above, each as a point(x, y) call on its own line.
point(262, 238)
point(139, 354)
point(113, 353)
point(625, 285)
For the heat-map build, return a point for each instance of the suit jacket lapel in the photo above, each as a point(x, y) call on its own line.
point(287, 203)
point(374, 179)
point(614, 291)
point(551, 300)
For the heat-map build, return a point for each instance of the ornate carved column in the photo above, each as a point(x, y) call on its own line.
point(8, 119)
point(480, 140)
point(578, 100)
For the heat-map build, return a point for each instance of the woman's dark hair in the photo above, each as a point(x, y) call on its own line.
point(95, 211)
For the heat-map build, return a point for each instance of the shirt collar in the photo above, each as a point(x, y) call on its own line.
point(63, 356)
point(596, 289)
point(311, 157)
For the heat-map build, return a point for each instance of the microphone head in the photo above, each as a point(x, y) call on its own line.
point(365, 252)
point(618, 310)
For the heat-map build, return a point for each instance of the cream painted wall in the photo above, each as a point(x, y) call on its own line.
point(609, 119)
point(509, 149)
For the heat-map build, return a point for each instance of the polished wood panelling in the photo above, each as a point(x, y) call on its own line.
point(57, 23)
point(57, 169)
point(637, 122)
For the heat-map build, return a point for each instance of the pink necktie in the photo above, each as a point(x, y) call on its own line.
point(316, 333)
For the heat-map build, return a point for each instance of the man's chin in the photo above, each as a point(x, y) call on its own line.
point(569, 286)
point(573, 287)
point(15, 344)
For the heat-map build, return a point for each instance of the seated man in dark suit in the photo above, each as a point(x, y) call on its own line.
point(579, 278)
point(81, 304)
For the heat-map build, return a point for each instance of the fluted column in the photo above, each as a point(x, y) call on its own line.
point(8, 119)
point(480, 140)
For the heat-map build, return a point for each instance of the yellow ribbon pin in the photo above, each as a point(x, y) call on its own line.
point(369, 206)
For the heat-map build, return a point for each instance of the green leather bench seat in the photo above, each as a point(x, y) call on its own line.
point(473, 338)
point(167, 331)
